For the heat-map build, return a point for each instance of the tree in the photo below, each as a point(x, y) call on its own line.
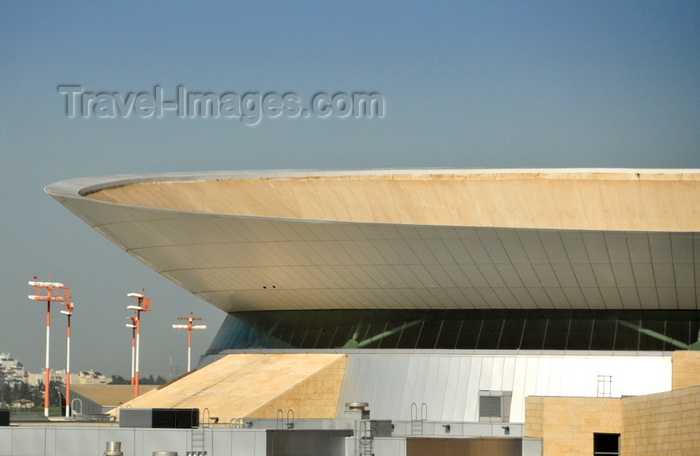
point(119, 380)
point(54, 396)
point(5, 394)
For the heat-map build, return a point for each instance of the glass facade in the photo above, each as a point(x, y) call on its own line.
point(461, 329)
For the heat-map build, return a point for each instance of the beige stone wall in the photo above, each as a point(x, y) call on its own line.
point(567, 424)
point(686, 369)
point(314, 397)
point(664, 424)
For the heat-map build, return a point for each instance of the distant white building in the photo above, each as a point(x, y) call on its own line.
point(22, 404)
point(88, 377)
point(12, 370)
point(55, 376)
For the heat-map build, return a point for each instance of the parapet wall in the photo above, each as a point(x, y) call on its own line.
point(654, 424)
point(686, 369)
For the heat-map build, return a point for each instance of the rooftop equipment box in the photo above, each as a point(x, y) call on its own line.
point(159, 418)
point(4, 417)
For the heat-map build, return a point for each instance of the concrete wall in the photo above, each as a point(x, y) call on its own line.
point(92, 441)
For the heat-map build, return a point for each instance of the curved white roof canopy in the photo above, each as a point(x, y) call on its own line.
point(408, 239)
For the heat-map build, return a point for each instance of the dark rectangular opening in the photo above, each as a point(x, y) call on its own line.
point(606, 444)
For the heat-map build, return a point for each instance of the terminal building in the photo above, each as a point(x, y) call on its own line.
point(524, 312)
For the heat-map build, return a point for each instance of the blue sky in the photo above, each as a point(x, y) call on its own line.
point(465, 84)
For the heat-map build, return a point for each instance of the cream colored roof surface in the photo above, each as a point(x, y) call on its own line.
point(110, 395)
point(241, 385)
point(409, 239)
point(591, 200)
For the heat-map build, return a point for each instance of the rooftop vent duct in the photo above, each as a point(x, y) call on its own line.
point(356, 411)
point(113, 449)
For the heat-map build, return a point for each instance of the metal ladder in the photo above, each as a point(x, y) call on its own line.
point(416, 421)
point(197, 442)
point(198, 436)
point(363, 438)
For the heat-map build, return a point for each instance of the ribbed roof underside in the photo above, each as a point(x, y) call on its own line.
point(455, 239)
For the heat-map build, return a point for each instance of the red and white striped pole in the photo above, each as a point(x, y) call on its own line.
point(62, 295)
point(68, 313)
point(132, 325)
point(47, 372)
point(144, 305)
point(138, 347)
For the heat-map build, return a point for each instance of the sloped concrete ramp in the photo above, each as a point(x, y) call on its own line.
point(256, 385)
